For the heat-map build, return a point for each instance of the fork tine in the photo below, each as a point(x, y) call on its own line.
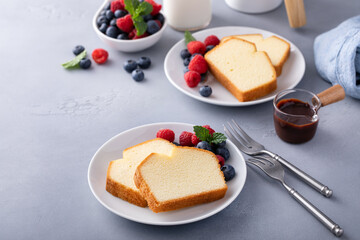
point(238, 136)
point(235, 141)
point(245, 135)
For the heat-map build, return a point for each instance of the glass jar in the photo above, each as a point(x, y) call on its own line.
point(181, 17)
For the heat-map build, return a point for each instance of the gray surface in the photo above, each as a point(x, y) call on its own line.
point(52, 122)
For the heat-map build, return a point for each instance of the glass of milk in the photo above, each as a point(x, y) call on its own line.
point(182, 17)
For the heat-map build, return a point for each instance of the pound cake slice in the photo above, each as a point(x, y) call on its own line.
point(247, 73)
point(278, 49)
point(188, 177)
point(120, 174)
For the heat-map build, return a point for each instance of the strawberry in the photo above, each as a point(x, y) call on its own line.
point(125, 23)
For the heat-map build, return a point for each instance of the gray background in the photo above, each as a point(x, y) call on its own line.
point(52, 121)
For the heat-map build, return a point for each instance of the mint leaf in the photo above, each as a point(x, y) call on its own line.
point(130, 6)
point(140, 27)
point(218, 138)
point(143, 9)
point(202, 133)
point(188, 37)
point(75, 62)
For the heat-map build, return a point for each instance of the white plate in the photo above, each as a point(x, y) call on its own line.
point(292, 72)
point(112, 150)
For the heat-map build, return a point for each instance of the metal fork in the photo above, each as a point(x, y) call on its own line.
point(250, 147)
point(274, 170)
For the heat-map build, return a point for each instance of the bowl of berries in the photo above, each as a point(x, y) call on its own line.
point(129, 25)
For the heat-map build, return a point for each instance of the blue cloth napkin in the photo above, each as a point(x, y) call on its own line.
point(337, 56)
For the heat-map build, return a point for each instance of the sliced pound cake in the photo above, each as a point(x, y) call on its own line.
point(188, 177)
point(278, 49)
point(120, 174)
point(247, 73)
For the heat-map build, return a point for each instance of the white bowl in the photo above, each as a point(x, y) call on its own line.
point(254, 6)
point(127, 45)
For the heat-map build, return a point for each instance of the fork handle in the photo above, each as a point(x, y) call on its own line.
point(325, 220)
point(324, 190)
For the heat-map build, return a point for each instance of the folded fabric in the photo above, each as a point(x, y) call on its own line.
point(337, 56)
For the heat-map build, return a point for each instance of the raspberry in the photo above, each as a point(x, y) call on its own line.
point(133, 34)
point(195, 140)
point(125, 24)
point(185, 139)
point(158, 22)
point(221, 160)
point(192, 78)
point(198, 64)
point(196, 47)
point(100, 55)
point(117, 5)
point(211, 131)
point(166, 134)
point(211, 40)
point(156, 7)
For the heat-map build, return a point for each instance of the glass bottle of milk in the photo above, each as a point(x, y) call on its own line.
point(187, 15)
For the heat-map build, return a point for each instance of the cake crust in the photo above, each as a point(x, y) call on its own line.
point(121, 191)
point(174, 204)
point(240, 95)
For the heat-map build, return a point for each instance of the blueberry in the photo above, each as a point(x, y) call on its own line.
point(220, 145)
point(209, 47)
point(160, 17)
point(204, 145)
point(123, 36)
point(148, 17)
point(192, 56)
point(205, 91)
point(152, 27)
point(85, 63)
point(109, 15)
point(101, 20)
point(113, 22)
point(112, 32)
point(203, 77)
point(144, 62)
point(224, 152)
point(107, 6)
point(138, 75)
point(130, 65)
point(229, 172)
point(78, 49)
point(103, 27)
point(102, 13)
point(177, 144)
point(185, 54)
point(186, 61)
point(119, 13)
point(186, 69)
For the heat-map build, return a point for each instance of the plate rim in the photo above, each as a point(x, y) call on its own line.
point(180, 222)
point(231, 104)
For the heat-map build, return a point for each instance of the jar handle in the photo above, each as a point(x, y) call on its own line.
point(331, 95)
